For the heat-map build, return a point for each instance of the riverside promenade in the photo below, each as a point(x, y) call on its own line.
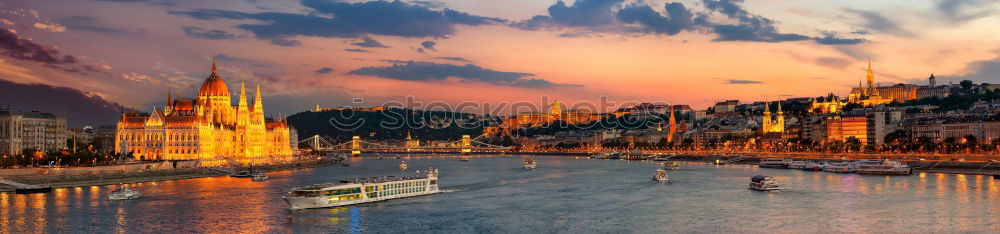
point(65, 177)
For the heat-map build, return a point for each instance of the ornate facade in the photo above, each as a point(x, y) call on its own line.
point(775, 125)
point(874, 95)
point(207, 128)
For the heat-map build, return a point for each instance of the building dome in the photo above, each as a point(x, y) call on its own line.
point(214, 85)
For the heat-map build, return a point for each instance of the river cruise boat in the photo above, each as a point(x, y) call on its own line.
point(124, 193)
point(357, 191)
point(798, 164)
point(660, 175)
point(763, 183)
point(839, 167)
point(775, 162)
point(402, 165)
point(530, 164)
point(877, 167)
point(670, 165)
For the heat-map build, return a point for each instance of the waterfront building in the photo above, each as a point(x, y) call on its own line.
point(31, 130)
point(844, 127)
point(207, 128)
point(881, 122)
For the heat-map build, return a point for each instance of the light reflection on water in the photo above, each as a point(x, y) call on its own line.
point(563, 195)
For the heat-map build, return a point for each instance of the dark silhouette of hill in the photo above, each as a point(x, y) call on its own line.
point(80, 108)
point(390, 124)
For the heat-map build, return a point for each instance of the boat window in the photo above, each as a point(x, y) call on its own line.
point(434, 181)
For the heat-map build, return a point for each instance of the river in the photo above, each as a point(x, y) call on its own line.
point(563, 195)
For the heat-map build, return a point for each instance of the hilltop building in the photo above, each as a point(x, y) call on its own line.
point(208, 128)
point(873, 94)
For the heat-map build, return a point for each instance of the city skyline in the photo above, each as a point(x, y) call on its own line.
point(574, 51)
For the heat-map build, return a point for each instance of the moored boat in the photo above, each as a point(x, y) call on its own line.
point(660, 175)
point(877, 167)
point(839, 167)
point(356, 191)
point(815, 166)
point(763, 183)
point(33, 189)
point(242, 174)
point(798, 164)
point(530, 164)
point(774, 162)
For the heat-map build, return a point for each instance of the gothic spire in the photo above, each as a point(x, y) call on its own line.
point(213, 65)
point(258, 101)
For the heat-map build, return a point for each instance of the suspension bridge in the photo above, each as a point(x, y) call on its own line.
point(356, 146)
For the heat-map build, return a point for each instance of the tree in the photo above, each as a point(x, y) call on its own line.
point(966, 85)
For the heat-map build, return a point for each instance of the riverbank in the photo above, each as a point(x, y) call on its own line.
point(68, 181)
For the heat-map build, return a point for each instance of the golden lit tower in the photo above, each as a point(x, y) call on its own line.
point(871, 78)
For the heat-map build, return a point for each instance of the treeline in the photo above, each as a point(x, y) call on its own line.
point(389, 124)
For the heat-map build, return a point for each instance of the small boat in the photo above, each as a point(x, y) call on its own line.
point(345, 164)
point(259, 176)
point(242, 174)
point(379, 157)
point(815, 166)
point(798, 164)
point(660, 175)
point(763, 183)
point(670, 165)
point(402, 165)
point(33, 189)
point(839, 167)
point(877, 167)
point(124, 193)
point(774, 162)
point(463, 159)
point(719, 162)
point(530, 164)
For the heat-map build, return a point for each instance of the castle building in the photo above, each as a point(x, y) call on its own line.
point(777, 124)
point(873, 95)
point(207, 128)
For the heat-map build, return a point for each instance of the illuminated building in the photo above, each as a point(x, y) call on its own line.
point(873, 95)
point(207, 128)
point(778, 124)
point(31, 130)
point(726, 106)
point(843, 127)
point(829, 104)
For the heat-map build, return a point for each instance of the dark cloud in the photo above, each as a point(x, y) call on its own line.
point(583, 13)
point(677, 18)
point(959, 11)
point(751, 27)
point(428, 45)
point(201, 33)
point(17, 47)
point(456, 59)
point(980, 71)
point(368, 42)
point(348, 20)
point(875, 21)
point(426, 71)
point(324, 70)
point(358, 50)
point(638, 17)
point(151, 2)
point(80, 108)
point(88, 24)
point(743, 82)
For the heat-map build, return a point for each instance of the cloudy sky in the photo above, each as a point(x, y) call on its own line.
point(693, 52)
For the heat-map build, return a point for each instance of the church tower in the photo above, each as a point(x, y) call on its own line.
point(871, 79)
point(779, 125)
point(765, 125)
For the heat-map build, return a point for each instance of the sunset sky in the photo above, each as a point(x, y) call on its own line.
point(133, 52)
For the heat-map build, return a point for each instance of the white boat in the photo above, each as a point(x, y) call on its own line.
point(839, 167)
point(670, 166)
point(798, 164)
point(877, 167)
point(815, 166)
point(259, 176)
point(123, 193)
point(763, 183)
point(402, 165)
point(775, 162)
point(660, 175)
point(530, 164)
point(357, 191)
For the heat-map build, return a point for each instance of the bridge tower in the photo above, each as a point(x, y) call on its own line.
point(315, 142)
point(466, 144)
point(355, 146)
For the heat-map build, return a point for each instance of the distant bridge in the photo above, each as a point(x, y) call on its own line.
point(356, 146)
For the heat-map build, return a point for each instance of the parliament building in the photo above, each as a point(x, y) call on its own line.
point(207, 128)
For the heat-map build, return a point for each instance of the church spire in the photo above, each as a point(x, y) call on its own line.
point(243, 95)
point(213, 65)
point(258, 101)
point(779, 108)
